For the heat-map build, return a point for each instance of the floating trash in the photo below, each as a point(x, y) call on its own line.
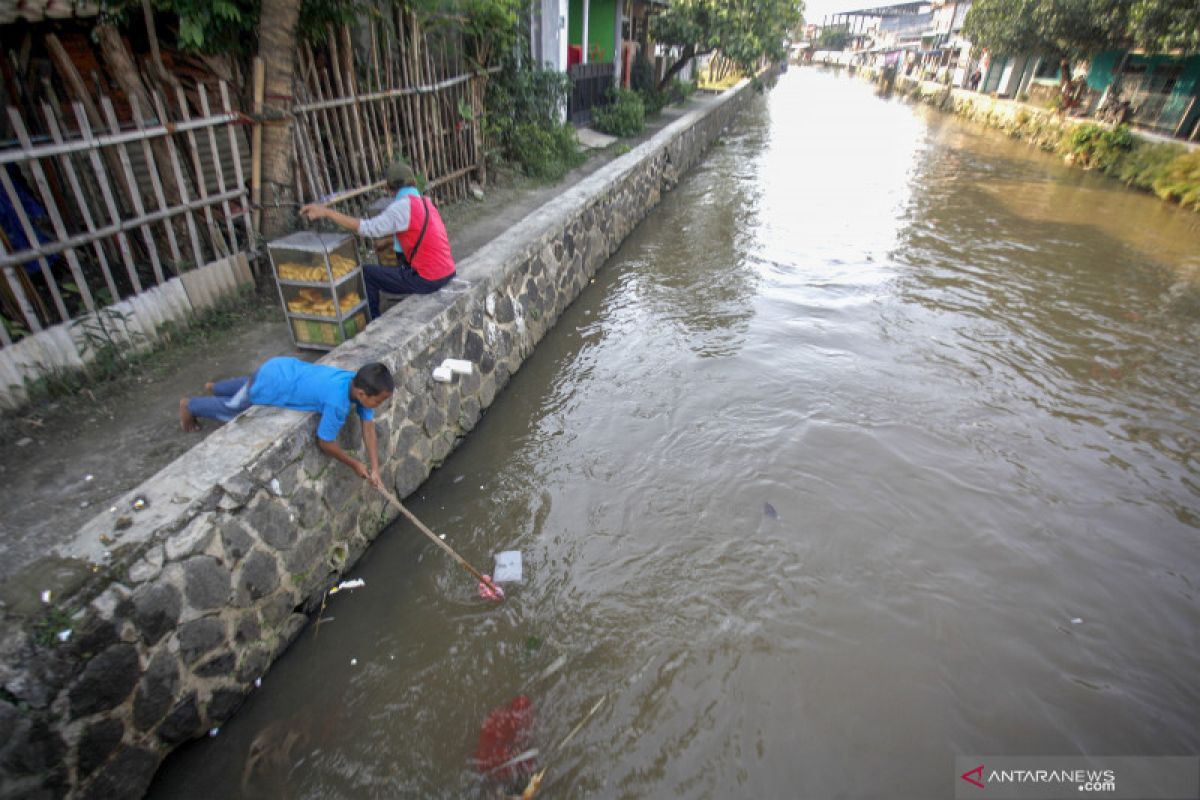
point(276, 489)
point(89, 477)
point(258, 683)
point(508, 567)
point(357, 583)
point(213, 731)
point(1076, 620)
point(46, 595)
point(64, 635)
point(140, 503)
point(354, 662)
point(769, 511)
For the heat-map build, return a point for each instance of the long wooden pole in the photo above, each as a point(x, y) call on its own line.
point(256, 143)
point(433, 537)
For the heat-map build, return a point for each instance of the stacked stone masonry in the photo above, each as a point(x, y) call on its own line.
point(245, 533)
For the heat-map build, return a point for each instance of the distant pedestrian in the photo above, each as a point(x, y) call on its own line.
point(298, 385)
point(425, 263)
point(973, 81)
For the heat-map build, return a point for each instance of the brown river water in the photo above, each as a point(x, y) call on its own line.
point(874, 445)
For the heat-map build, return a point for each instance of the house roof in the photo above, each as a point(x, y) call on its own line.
point(38, 10)
point(894, 10)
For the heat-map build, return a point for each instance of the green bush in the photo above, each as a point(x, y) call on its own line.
point(625, 115)
point(642, 81)
point(1181, 181)
point(680, 90)
point(1095, 146)
point(523, 120)
point(1146, 163)
point(546, 153)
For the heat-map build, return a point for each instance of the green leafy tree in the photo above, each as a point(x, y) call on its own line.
point(1075, 29)
point(834, 37)
point(744, 31)
point(1069, 30)
point(1159, 25)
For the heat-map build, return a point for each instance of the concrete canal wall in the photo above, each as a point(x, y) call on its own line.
point(154, 634)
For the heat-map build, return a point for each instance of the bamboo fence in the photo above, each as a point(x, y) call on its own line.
point(113, 199)
point(93, 237)
point(411, 95)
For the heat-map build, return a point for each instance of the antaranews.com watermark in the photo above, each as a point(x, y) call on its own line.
point(1055, 777)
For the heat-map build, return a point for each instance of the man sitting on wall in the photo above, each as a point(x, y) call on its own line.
point(419, 237)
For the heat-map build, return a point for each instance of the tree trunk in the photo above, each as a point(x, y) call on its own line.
point(277, 49)
point(688, 54)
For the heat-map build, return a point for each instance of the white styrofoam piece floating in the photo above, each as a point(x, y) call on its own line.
point(508, 567)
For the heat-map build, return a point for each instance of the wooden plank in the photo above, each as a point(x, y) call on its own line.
point(365, 143)
point(420, 155)
point(85, 210)
point(219, 247)
point(304, 156)
point(345, 140)
point(77, 90)
point(14, 284)
point(114, 214)
point(333, 77)
point(219, 167)
point(177, 168)
point(247, 217)
point(383, 106)
point(323, 122)
point(160, 195)
point(108, 140)
point(31, 236)
point(134, 195)
point(122, 226)
point(48, 201)
point(312, 126)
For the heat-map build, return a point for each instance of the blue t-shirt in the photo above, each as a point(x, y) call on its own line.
point(292, 383)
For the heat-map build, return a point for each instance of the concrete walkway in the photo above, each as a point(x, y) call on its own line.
point(66, 462)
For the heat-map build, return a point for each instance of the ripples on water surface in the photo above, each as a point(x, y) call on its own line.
point(874, 445)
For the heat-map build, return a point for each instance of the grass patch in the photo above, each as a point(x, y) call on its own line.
point(116, 366)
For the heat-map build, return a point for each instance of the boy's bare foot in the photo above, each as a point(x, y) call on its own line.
point(187, 421)
point(208, 387)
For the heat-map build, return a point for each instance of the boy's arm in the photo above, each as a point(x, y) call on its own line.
point(368, 434)
point(332, 448)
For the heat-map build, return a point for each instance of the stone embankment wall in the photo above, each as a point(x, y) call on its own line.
point(165, 630)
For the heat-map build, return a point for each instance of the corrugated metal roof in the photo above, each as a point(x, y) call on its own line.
point(38, 10)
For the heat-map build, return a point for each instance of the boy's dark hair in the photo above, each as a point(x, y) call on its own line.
point(374, 379)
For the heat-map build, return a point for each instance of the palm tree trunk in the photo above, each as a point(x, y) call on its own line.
point(277, 49)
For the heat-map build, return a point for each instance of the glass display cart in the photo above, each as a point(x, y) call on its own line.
point(321, 287)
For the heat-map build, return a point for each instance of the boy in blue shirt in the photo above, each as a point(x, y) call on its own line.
point(292, 383)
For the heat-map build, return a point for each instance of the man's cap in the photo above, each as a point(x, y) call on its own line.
point(400, 172)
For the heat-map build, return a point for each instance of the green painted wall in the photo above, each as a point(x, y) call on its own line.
point(1187, 85)
point(602, 26)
